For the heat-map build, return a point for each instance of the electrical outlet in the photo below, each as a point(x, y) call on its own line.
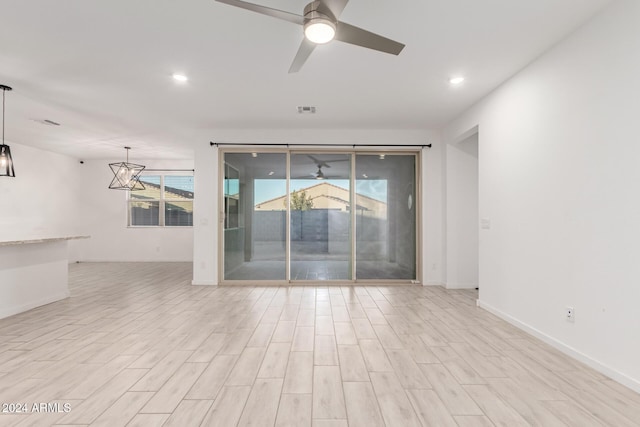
point(570, 313)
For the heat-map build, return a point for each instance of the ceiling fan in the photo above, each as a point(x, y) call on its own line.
point(321, 25)
point(321, 164)
point(319, 174)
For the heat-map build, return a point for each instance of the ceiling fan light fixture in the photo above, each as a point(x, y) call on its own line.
point(321, 25)
point(319, 30)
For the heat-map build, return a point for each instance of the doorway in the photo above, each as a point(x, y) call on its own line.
point(309, 216)
point(462, 229)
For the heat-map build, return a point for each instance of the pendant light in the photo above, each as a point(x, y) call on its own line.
point(126, 175)
point(6, 161)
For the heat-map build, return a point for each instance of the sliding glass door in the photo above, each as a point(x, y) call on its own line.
point(254, 225)
point(385, 217)
point(319, 216)
point(320, 225)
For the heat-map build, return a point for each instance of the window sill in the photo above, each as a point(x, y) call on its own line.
point(160, 226)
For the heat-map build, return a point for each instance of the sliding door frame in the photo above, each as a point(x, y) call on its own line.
point(353, 151)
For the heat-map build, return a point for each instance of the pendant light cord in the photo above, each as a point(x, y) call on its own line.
point(3, 92)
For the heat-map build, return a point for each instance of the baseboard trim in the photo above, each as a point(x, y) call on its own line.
point(428, 283)
point(461, 285)
point(33, 304)
point(107, 261)
point(204, 283)
point(570, 351)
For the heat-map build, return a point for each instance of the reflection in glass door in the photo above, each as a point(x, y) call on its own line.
point(385, 217)
point(254, 226)
point(320, 221)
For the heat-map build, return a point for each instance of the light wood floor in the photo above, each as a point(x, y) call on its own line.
point(137, 345)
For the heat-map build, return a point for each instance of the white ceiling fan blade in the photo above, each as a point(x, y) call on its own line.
point(275, 13)
point(305, 49)
point(353, 35)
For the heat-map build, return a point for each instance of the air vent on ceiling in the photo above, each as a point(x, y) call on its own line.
point(306, 110)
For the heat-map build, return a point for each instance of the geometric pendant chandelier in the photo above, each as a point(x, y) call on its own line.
point(126, 176)
point(6, 161)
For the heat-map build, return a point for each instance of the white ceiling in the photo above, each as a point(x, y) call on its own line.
point(103, 68)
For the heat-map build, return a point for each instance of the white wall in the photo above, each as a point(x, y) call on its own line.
point(103, 215)
point(205, 268)
point(43, 199)
point(433, 214)
point(462, 220)
point(205, 216)
point(559, 180)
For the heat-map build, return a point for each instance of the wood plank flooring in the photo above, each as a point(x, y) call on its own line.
point(137, 345)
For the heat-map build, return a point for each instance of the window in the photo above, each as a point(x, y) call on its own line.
point(166, 201)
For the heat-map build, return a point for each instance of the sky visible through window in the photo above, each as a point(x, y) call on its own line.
point(179, 182)
point(267, 189)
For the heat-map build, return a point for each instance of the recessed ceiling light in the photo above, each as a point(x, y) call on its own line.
point(381, 156)
point(180, 77)
point(365, 176)
point(254, 155)
point(456, 81)
point(271, 173)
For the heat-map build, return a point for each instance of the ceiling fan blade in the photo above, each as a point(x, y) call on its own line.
point(319, 163)
point(305, 49)
point(275, 13)
point(353, 35)
point(334, 6)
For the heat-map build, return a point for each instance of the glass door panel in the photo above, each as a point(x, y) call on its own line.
point(385, 217)
point(320, 221)
point(255, 216)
